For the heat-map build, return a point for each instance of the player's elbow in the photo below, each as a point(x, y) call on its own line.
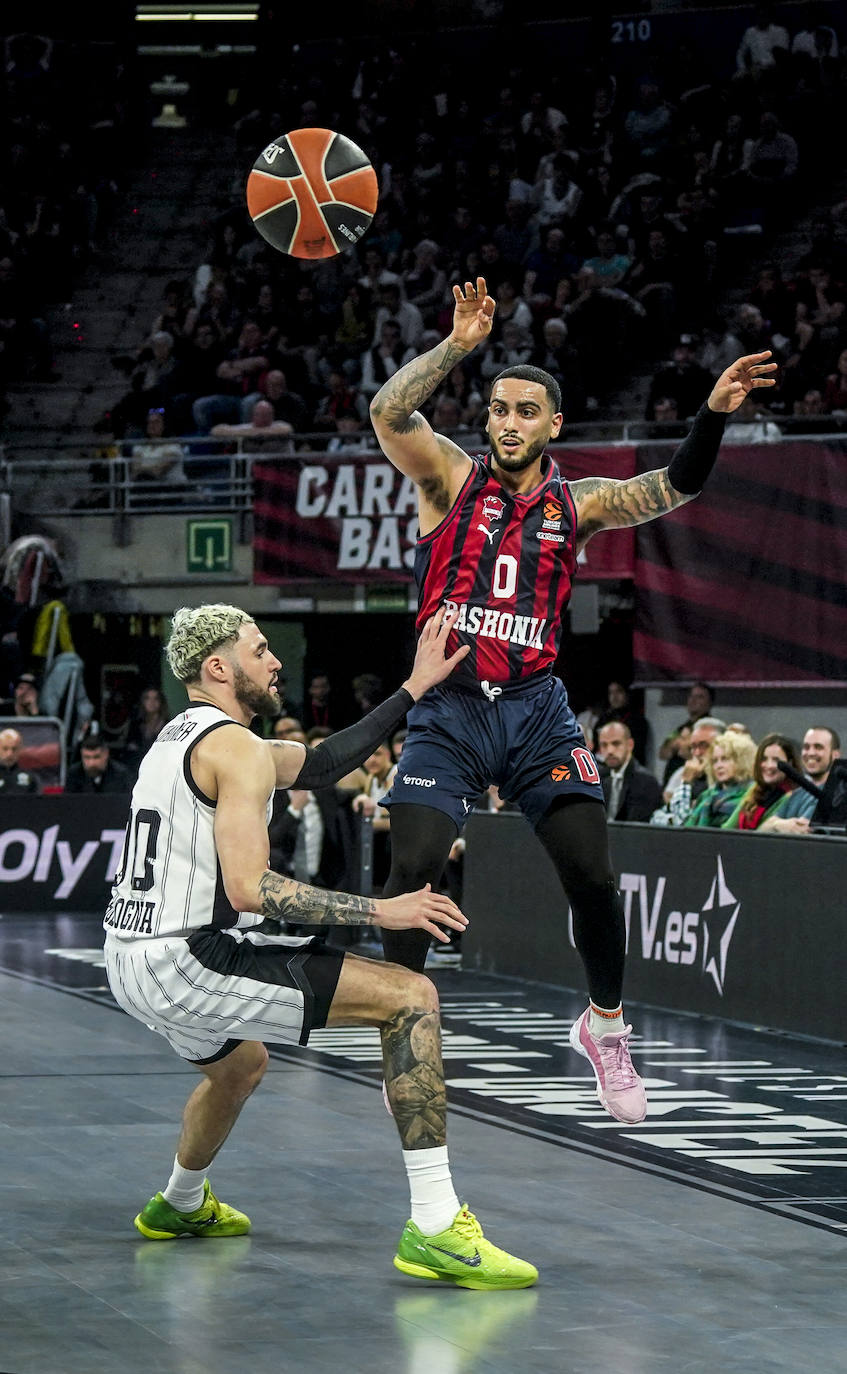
point(242, 891)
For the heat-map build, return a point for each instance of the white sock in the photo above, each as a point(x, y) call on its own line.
point(601, 1020)
point(184, 1190)
point(434, 1201)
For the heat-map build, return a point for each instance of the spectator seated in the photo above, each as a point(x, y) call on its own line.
point(41, 751)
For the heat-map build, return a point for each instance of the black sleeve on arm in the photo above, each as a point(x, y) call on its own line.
point(696, 455)
point(346, 749)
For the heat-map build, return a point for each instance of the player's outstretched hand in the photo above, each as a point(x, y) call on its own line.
point(430, 665)
point(473, 313)
point(423, 910)
point(741, 378)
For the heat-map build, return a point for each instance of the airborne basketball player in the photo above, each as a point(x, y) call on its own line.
point(184, 955)
point(498, 543)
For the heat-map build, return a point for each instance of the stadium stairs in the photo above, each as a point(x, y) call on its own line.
point(158, 234)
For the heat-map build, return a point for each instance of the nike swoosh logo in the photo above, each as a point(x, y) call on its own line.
point(205, 1221)
point(463, 1259)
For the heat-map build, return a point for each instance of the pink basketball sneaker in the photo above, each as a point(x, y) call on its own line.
point(619, 1088)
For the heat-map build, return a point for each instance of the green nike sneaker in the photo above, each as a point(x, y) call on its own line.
point(159, 1221)
point(462, 1256)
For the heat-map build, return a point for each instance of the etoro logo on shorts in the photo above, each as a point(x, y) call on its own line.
point(418, 782)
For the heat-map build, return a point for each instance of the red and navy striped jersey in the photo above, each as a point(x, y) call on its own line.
point(506, 562)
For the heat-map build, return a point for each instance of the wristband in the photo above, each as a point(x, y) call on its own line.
point(697, 454)
point(338, 754)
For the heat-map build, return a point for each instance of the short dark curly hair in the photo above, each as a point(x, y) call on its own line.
point(526, 373)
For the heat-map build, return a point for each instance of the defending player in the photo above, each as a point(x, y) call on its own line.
point(184, 956)
point(498, 543)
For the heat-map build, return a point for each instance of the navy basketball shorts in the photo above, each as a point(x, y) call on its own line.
point(526, 740)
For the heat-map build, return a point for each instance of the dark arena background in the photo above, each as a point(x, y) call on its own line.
point(650, 192)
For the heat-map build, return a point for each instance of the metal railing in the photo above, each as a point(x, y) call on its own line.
point(100, 480)
point(93, 478)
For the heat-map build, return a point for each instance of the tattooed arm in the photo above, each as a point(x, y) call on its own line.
point(602, 503)
point(234, 769)
point(288, 900)
point(434, 463)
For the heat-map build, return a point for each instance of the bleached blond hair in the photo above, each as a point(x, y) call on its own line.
point(198, 631)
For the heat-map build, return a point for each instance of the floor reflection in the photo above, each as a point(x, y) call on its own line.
point(457, 1331)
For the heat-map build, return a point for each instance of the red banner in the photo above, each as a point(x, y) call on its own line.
point(611, 553)
point(354, 518)
point(748, 583)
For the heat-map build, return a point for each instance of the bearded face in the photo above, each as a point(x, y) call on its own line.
point(256, 700)
point(517, 459)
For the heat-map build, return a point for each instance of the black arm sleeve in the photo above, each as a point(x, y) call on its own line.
point(696, 455)
point(346, 749)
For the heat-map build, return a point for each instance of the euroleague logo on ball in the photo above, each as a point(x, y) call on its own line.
point(312, 193)
point(560, 772)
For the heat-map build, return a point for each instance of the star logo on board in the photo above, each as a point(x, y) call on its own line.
point(718, 914)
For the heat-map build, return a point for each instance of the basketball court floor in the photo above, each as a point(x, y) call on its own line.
point(711, 1239)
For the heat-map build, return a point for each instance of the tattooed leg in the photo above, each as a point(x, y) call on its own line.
point(404, 1006)
point(414, 1077)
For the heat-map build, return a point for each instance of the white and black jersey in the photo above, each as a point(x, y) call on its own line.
point(169, 880)
point(178, 956)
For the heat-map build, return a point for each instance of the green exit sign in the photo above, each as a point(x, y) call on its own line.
point(209, 545)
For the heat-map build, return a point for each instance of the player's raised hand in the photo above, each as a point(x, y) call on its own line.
point(431, 665)
point(473, 313)
point(741, 378)
point(423, 910)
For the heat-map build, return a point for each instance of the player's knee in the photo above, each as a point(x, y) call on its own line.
point(427, 993)
point(590, 891)
point(411, 992)
point(242, 1073)
point(410, 873)
point(419, 848)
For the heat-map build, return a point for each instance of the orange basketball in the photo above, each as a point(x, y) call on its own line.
point(312, 193)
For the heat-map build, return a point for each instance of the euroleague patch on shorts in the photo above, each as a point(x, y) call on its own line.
point(583, 761)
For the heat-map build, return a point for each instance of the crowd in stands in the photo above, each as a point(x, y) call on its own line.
point(710, 772)
point(801, 317)
point(65, 108)
point(603, 213)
